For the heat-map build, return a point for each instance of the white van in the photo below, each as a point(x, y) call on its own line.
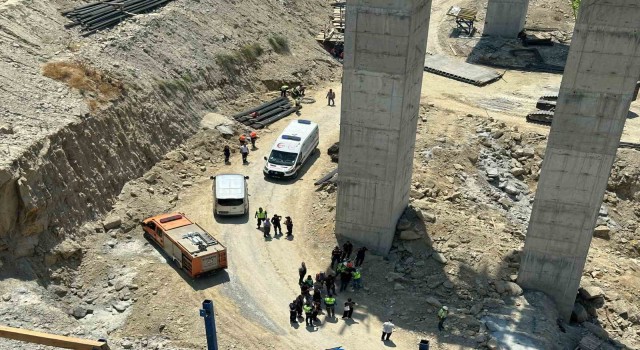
point(230, 195)
point(292, 148)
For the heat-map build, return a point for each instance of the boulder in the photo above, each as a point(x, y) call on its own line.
point(433, 301)
point(111, 223)
point(6, 129)
point(67, 249)
point(398, 286)
point(509, 288)
point(517, 171)
point(602, 231)
point(224, 130)
point(429, 217)
point(511, 189)
point(79, 312)
point(579, 313)
point(409, 235)
point(416, 194)
point(439, 257)
point(475, 309)
point(492, 173)
point(590, 292)
point(392, 276)
point(403, 224)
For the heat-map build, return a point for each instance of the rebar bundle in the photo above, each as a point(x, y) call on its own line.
point(106, 14)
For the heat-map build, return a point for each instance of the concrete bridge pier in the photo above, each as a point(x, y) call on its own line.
point(385, 44)
point(597, 88)
point(505, 18)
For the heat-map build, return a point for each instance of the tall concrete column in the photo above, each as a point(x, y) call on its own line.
point(596, 91)
point(505, 18)
point(385, 43)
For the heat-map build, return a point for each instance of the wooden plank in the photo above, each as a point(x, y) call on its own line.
point(51, 339)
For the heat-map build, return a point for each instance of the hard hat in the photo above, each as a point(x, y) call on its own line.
point(445, 308)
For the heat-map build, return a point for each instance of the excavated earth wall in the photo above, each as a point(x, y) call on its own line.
point(63, 160)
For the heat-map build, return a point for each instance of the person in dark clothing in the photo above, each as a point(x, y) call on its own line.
point(293, 312)
point(336, 255)
point(289, 224)
point(331, 98)
point(347, 248)
point(360, 256)
point(305, 290)
point(302, 271)
point(317, 295)
point(330, 282)
point(348, 309)
point(317, 309)
point(345, 278)
point(275, 220)
point(299, 303)
point(227, 154)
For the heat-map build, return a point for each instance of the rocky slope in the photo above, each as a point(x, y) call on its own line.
point(69, 141)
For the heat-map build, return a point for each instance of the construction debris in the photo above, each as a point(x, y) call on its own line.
point(103, 15)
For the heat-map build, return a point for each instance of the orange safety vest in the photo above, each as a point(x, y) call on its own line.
point(242, 138)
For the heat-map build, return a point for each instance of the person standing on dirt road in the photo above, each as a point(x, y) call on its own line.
point(336, 255)
point(244, 151)
point(308, 312)
point(387, 329)
point(331, 97)
point(275, 220)
point(357, 279)
point(345, 278)
point(299, 302)
point(302, 271)
point(261, 216)
point(293, 312)
point(360, 256)
point(348, 309)
point(442, 316)
point(330, 304)
point(347, 248)
point(330, 283)
point(289, 224)
point(267, 228)
point(227, 154)
point(254, 136)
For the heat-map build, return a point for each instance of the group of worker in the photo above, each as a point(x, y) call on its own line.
point(244, 149)
point(263, 220)
point(311, 298)
point(296, 92)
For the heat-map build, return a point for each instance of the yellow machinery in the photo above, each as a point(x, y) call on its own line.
point(52, 339)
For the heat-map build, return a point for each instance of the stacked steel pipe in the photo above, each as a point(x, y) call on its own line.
point(105, 14)
point(266, 113)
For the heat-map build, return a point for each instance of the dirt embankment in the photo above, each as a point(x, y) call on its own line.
point(73, 133)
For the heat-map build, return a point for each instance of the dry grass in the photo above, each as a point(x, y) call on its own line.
point(97, 87)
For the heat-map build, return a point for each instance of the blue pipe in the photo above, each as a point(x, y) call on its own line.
point(209, 324)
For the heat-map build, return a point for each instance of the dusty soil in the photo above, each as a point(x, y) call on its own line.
point(470, 227)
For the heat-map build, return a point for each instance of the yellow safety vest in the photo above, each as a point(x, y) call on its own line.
point(261, 214)
point(307, 309)
point(442, 313)
point(330, 301)
point(356, 275)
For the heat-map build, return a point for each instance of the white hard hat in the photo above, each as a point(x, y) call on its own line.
point(445, 307)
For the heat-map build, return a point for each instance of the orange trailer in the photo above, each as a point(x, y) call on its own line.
point(186, 243)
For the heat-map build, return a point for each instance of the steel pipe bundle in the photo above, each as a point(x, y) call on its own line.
point(105, 14)
point(266, 113)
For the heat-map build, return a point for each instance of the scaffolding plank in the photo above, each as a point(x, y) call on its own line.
point(462, 71)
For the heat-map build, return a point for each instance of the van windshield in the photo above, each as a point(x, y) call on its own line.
point(231, 202)
point(282, 158)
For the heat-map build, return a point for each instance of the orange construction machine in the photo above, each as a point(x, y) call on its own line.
point(186, 243)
